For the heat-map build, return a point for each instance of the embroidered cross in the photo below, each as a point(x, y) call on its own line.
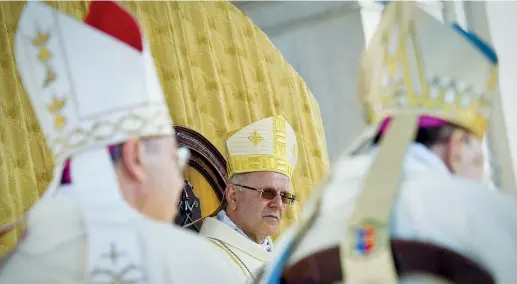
point(111, 275)
point(255, 138)
point(113, 254)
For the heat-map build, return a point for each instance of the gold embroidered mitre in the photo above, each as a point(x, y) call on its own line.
point(265, 145)
point(417, 64)
point(90, 83)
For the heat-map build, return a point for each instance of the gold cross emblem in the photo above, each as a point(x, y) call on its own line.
point(255, 138)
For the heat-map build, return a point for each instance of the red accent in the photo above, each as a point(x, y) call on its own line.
point(369, 231)
point(368, 247)
point(112, 19)
point(66, 176)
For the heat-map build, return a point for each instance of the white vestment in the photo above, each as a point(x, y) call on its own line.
point(247, 255)
point(433, 206)
point(55, 251)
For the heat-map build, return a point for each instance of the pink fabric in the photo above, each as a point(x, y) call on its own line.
point(66, 178)
point(423, 122)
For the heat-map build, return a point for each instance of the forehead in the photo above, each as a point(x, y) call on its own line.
point(268, 179)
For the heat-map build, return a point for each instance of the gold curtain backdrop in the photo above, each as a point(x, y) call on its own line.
point(219, 73)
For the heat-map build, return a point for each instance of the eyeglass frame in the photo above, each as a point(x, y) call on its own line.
point(261, 190)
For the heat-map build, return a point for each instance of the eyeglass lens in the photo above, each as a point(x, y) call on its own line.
point(270, 194)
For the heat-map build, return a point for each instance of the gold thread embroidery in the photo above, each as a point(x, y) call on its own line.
point(40, 41)
point(55, 107)
point(279, 136)
point(255, 138)
point(106, 130)
point(44, 54)
point(256, 163)
point(231, 256)
point(404, 84)
point(49, 77)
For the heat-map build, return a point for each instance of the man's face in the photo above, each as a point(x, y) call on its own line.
point(257, 216)
point(155, 178)
point(466, 157)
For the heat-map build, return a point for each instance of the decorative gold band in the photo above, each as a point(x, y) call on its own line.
point(259, 163)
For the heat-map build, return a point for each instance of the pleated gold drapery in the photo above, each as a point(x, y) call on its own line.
point(219, 73)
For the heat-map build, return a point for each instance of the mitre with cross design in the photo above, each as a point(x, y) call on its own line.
point(92, 84)
point(266, 145)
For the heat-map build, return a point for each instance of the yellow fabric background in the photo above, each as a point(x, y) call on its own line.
point(219, 73)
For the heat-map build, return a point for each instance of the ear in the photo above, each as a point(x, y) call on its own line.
point(131, 159)
point(231, 196)
point(454, 149)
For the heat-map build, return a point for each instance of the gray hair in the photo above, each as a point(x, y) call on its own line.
point(150, 145)
point(239, 179)
point(236, 179)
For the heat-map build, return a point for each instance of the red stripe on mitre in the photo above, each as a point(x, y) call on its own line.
point(112, 19)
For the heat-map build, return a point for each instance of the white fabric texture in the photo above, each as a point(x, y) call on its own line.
point(433, 206)
point(267, 244)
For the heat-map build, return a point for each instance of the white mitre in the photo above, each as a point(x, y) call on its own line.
point(88, 88)
point(92, 85)
point(267, 145)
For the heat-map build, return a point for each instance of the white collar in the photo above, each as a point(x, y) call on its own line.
point(267, 244)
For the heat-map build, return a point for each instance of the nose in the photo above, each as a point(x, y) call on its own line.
point(277, 202)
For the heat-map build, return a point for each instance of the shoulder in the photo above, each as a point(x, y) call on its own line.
point(462, 215)
point(466, 194)
point(177, 238)
point(183, 250)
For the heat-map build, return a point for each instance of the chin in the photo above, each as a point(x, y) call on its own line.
point(271, 230)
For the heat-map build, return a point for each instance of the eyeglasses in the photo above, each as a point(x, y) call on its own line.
point(270, 194)
point(183, 157)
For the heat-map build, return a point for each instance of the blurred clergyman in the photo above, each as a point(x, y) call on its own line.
point(106, 216)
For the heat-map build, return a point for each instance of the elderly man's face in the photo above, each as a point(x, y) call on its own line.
point(258, 217)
